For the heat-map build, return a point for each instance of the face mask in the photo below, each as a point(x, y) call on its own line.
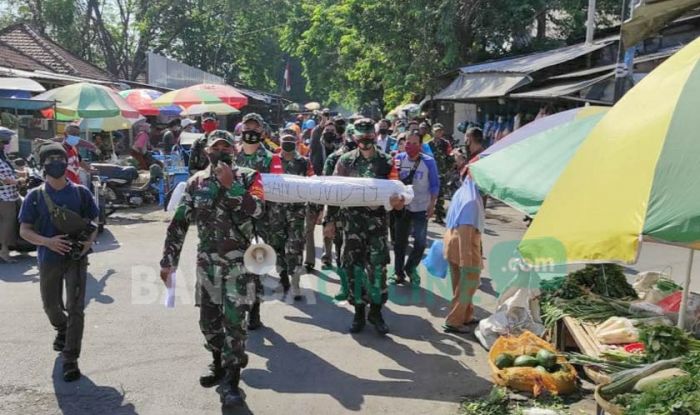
point(55, 168)
point(351, 145)
point(209, 126)
point(219, 156)
point(384, 131)
point(402, 129)
point(329, 137)
point(412, 150)
point(366, 143)
point(72, 140)
point(289, 146)
point(251, 137)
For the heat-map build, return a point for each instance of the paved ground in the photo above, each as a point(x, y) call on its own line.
point(139, 357)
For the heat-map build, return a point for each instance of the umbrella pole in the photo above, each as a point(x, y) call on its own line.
point(686, 291)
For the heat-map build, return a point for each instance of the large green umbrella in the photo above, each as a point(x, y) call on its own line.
point(85, 100)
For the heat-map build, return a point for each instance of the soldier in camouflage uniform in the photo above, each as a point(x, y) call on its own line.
point(366, 232)
point(255, 156)
point(288, 219)
point(442, 152)
point(222, 200)
point(198, 155)
point(334, 215)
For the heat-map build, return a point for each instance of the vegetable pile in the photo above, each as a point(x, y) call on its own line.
point(544, 361)
point(607, 279)
point(666, 342)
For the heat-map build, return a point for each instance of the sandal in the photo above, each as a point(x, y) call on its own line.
point(397, 279)
point(473, 322)
point(452, 329)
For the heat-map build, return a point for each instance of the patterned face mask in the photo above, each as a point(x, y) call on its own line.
point(251, 137)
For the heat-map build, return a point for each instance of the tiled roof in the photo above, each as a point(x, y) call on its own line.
point(12, 58)
point(30, 43)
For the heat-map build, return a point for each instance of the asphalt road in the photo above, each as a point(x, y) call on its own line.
point(140, 358)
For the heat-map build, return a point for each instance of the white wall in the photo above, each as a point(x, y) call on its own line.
point(463, 112)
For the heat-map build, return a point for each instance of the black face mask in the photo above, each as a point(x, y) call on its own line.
point(384, 131)
point(56, 168)
point(218, 156)
point(351, 145)
point(366, 143)
point(289, 146)
point(251, 137)
point(330, 137)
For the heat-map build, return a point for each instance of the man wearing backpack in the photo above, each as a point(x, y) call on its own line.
point(56, 218)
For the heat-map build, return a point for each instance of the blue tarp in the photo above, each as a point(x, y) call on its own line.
point(25, 104)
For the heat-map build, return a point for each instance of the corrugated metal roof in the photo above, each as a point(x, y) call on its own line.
point(481, 86)
point(534, 62)
point(640, 59)
point(562, 89)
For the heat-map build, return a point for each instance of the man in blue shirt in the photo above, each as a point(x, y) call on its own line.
point(420, 170)
point(62, 258)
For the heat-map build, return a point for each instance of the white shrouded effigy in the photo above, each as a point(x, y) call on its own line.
point(323, 190)
point(333, 190)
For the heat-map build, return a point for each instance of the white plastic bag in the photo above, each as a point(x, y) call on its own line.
point(518, 310)
point(175, 198)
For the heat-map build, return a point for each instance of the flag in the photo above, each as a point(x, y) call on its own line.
point(287, 78)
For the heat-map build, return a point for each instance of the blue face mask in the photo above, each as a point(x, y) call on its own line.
point(72, 140)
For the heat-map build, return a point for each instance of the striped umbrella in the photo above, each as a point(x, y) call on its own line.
point(634, 178)
point(142, 100)
point(543, 124)
point(525, 168)
point(203, 94)
point(85, 100)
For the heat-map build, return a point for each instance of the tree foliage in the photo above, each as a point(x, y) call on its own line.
point(352, 52)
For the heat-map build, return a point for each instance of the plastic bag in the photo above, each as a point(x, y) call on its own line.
point(435, 261)
point(518, 310)
point(529, 379)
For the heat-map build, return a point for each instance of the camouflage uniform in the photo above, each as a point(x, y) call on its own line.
point(442, 149)
point(366, 232)
point(334, 213)
point(287, 220)
point(259, 161)
point(224, 291)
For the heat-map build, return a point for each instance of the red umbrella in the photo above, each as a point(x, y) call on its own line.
point(142, 100)
point(203, 94)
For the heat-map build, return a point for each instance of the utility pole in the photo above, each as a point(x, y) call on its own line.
point(590, 23)
point(621, 69)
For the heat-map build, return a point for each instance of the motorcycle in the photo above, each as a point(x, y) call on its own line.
point(31, 179)
point(125, 186)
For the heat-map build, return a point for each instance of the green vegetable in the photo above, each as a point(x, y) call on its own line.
point(546, 358)
point(504, 360)
point(624, 381)
point(496, 403)
point(666, 342)
point(525, 361)
point(666, 285)
point(604, 279)
point(541, 369)
point(676, 396)
point(652, 381)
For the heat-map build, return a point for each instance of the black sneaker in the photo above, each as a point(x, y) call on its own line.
point(231, 396)
point(254, 321)
point(71, 372)
point(358, 322)
point(60, 341)
point(214, 372)
point(309, 267)
point(376, 319)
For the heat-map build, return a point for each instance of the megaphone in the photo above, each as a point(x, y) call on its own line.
point(260, 259)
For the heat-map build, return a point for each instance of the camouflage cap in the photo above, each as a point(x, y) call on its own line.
point(364, 126)
point(253, 116)
point(219, 135)
point(209, 116)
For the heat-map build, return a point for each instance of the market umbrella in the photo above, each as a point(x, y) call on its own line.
point(142, 100)
point(312, 106)
point(634, 178)
point(203, 94)
point(218, 109)
point(108, 124)
point(543, 124)
point(525, 168)
point(85, 100)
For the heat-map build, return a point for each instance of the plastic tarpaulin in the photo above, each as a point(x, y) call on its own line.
point(476, 86)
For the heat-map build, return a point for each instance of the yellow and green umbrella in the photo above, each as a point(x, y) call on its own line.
point(521, 168)
point(635, 177)
point(85, 100)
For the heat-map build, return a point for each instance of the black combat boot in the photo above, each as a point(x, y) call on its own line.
point(284, 281)
point(254, 321)
point(214, 372)
point(375, 317)
point(230, 394)
point(358, 323)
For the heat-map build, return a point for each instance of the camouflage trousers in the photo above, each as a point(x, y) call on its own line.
point(224, 293)
point(440, 212)
point(287, 235)
point(365, 255)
